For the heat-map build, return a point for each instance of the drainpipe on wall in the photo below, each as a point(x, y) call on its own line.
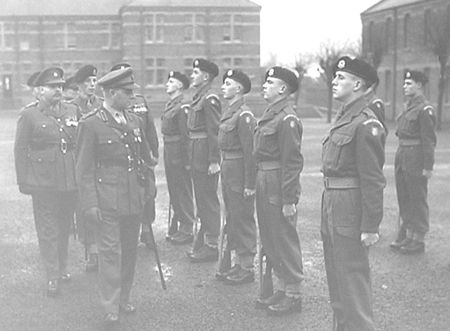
point(394, 69)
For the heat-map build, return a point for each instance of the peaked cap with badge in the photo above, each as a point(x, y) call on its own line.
point(121, 78)
point(286, 75)
point(84, 73)
point(180, 77)
point(120, 65)
point(50, 76)
point(358, 68)
point(208, 66)
point(31, 82)
point(240, 77)
point(70, 84)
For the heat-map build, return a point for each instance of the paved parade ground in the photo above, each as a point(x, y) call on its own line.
point(410, 292)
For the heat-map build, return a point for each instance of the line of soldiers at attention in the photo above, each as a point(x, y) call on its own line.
point(95, 157)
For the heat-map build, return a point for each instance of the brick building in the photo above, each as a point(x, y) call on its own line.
point(154, 36)
point(398, 35)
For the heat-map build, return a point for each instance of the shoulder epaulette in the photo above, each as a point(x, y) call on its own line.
point(185, 107)
point(373, 120)
point(246, 112)
point(90, 114)
point(212, 96)
point(31, 104)
point(289, 116)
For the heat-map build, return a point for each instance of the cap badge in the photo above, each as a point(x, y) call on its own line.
point(196, 63)
point(271, 72)
point(171, 74)
point(230, 73)
point(55, 74)
point(408, 75)
point(341, 64)
point(94, 71)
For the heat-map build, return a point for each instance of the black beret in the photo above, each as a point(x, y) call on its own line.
point(180, 77)
point(358, 68)
point(70, 84)
point(120, 78)
point(285, 75)
point(85, 72)
point(53, 75)
point(417, 76)
point(208, 66)
point(239, 77)
point(120, 65)
point(31, 82)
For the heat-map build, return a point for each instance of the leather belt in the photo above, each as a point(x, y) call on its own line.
point(340, 183)
point(268, 165)
point(198, 135)
point(410, 142)
point(63, 145)
point(232, 155)
point(172, 138)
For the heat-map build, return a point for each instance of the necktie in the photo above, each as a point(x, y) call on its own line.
point(120, 118)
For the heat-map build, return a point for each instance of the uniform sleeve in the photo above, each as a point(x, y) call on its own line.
point(85, 165)
point(427, 123)
point(213, 110)
point(150, 132)
point(23, 137)
point(370, 140)
point(247, 124)
point(291, 158)
point(184, 134)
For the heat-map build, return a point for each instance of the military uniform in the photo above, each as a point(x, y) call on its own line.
point(238, 173)
point(277, 151)
point(176, 162)
point(88, 105)
point(415, 153)
point(108, 179)
point(45, 168)
point(203, 126)
point(352, 203)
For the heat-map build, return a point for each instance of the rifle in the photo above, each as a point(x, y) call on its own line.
point(265, 275)
point(222, 238)
point(169, 223)
point(158, 262)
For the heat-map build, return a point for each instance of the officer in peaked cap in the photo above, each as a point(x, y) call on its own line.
point(112, 158)
point(176, 160)
point(279, 161)
point(44, 153)
point(238, 175)
point(203, 124)
point(414, 162)
point(353, 159)
point(31, 83)
point(139, 106)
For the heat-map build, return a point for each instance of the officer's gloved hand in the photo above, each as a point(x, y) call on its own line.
point(369, 239)
point(93, 215)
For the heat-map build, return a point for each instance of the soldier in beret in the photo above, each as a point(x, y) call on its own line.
point(352, 201)
point(44, 153)
point(414, 164)
point(112, 155)
point(139, 106)
point(203, 126)
point(70, 89)
point(279, 161)
point(238, 175)
point(176, 160)
point(86, 101)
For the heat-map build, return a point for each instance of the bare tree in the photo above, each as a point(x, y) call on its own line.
point(327, 56)
point(302, 63)
point(439, 33)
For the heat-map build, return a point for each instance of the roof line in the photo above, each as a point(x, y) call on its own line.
point(390, 8)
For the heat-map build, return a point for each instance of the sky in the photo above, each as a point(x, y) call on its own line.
point(290, 27)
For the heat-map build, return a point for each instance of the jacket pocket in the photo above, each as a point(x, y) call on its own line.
point(43, 167)
point(107, 186)
point(226, 135)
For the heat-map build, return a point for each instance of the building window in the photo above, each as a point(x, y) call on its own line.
point(426, 26)
point(232, 30)
point(111, 35)
point(154, 28)
point(155, 71)
point(232, 63)
point(388, 34)
point(6, 35)
point(194, 29)
point(406, 31)
point(371, 36)
point(427, 72)
point(188, 66)
point(67, 38)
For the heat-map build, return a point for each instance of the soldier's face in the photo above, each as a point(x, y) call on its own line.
point(272, 88)
point(88, 86)
point(172, 85)
point(122, 98)
point(51, 93)
point(198, 77)
point(410, 87)
point(230, 88)
point(343, 85)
